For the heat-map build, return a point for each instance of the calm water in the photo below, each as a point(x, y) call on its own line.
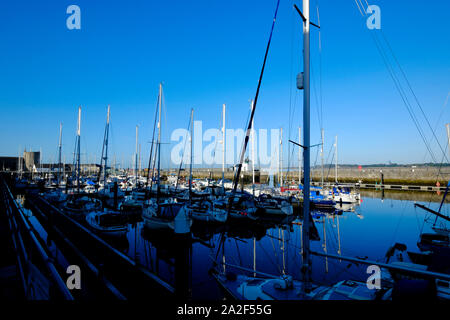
point(368, 231)
point(373, 226)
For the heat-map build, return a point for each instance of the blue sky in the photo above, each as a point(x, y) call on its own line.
point(208, 53)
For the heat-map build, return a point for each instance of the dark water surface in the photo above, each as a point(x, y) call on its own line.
point(368, 231)
point(274, 245)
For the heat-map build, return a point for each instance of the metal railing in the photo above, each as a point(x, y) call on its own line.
point(32, 257)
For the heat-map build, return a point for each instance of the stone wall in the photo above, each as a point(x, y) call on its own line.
point(421, 175)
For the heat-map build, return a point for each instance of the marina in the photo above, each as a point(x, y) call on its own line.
point(185, 264)
point(143, 203)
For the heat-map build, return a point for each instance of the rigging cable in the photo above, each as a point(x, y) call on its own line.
point(151, 149)
point(400, 88)
point(244, 147)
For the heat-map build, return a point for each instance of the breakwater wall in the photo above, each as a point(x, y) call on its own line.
point(405, 175)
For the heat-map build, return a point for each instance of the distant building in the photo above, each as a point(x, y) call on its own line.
point(11, 163)
point(32, 160)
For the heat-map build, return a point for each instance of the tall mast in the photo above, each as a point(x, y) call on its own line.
point(223, 147)
point(106, 147)
point(59, 153)
point(136, 158)
point(104, 155)
point(299, 158)
point(252, 114)
point(78, 148)
point(281, 158)
point(64, 169)
point(150, 159)
point(321, 155)
point(159, 144)
point(336, 169)
point(191, 155)
point(253, 152)
point(306, 268)
point(139, 161)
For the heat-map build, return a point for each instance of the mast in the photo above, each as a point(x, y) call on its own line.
point(336, 170)
point(321, 155)
point(78, 148)
point(299, 158)
point(64, 170)
point(59, 153)
point(223, 147)
point(184, 151)
point(150, 165)
point(136, 158)
point(159, 146)
point(281, 158)
point(191, 155)
point(252, 114)
point(306, 268)
point(104, 155)
point(106, 147)
point(253, 153)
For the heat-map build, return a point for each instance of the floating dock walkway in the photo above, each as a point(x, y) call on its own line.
point(37, 261)
point(384, 186)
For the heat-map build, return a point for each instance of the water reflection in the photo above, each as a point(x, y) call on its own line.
point(164, 249)
point(274, 244)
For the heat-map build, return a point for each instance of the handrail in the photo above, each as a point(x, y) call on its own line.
point(16, 243)
point(424, 273)
point(112, 289)
point(24, 225)
point(123, 258)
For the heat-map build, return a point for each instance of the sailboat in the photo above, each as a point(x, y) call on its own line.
point(79, 204)
point(107, 188)
point(426, 261)
point(107, 222)
point(206, 209)
point(342, 194)
point(434, 256)
point(55, 195)
point(274, 205)
point(168, 215)
point(269, 287)
point(439, 241)
point(136, 201)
